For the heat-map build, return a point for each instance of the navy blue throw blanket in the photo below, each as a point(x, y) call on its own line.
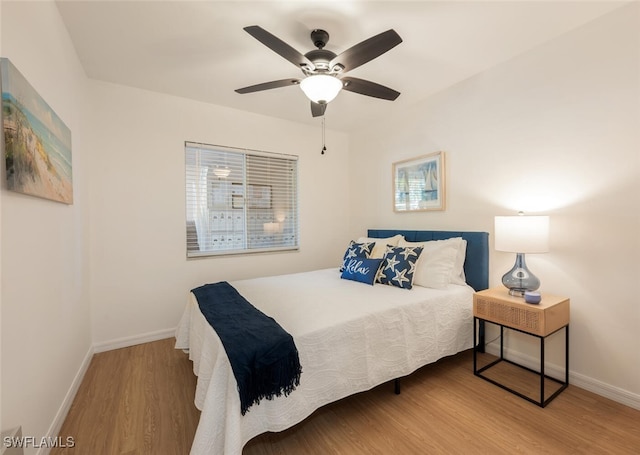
point(262, 354)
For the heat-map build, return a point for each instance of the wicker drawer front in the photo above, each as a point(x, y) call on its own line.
point(518, 318)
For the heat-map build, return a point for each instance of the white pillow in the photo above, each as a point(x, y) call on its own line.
point(381, 244)
point(457, 274)
point(436, 264)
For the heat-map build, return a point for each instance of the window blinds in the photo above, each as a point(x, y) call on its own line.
point(239, 201)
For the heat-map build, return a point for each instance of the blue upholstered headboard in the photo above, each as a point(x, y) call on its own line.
point(476, 264)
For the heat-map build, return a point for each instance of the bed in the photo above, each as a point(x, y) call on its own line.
point(350, 337)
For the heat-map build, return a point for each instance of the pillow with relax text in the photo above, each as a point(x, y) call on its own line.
point(398, 266)
point(357, 250)
point(362, 270)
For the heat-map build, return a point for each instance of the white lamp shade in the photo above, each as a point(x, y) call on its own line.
point(522, 234)
point(321, 88)
point(272, 228)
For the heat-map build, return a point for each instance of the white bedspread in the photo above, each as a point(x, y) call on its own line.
point(350, 337)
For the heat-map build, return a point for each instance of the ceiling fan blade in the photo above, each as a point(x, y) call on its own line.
point(317, 110)
point(367, 50)
point(368, 88)
point(268, 85)
point(278, 46)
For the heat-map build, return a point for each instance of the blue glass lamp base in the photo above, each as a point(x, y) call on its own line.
point(520, 279)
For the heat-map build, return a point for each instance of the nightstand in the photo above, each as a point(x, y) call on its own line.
point(540, 320)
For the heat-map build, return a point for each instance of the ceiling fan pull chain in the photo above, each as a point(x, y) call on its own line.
point(324, 147)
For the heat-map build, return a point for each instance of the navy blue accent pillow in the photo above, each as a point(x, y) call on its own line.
point(362, 270)
point(357, 250)
point(398, 266)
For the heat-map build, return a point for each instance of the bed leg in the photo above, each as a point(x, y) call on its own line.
point(396, 386)
point(481, 337)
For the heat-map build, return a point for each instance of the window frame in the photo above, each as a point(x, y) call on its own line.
point(267, 226)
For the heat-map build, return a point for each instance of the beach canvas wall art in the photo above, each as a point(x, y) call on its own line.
point(37, 143)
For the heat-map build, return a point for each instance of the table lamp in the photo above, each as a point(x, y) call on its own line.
point(521, 234)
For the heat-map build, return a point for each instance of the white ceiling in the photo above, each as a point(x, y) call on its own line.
point(198, 49)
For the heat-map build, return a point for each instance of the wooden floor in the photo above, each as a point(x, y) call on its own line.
point(139, 400)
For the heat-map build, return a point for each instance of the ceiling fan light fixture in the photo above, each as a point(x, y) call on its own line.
point(221, 172)
point(321, 88)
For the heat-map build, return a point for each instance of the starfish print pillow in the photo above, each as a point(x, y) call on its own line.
point(398, 266)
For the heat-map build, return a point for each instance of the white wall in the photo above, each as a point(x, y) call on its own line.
point(554, 131)
point(46, 332)
point(140, 276)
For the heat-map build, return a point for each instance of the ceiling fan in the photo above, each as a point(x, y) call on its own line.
point(323, 69)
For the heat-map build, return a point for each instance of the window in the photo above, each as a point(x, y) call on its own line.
point(240, 201)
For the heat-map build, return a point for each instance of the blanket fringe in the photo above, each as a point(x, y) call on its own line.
point(270, 381)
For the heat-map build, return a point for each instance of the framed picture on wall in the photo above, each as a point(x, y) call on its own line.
point(419, 183)
point(37, 142)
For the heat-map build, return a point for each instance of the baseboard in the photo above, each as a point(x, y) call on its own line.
point(56, 425)
point(598, 387)
point(134, 340)
point(579, 380)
